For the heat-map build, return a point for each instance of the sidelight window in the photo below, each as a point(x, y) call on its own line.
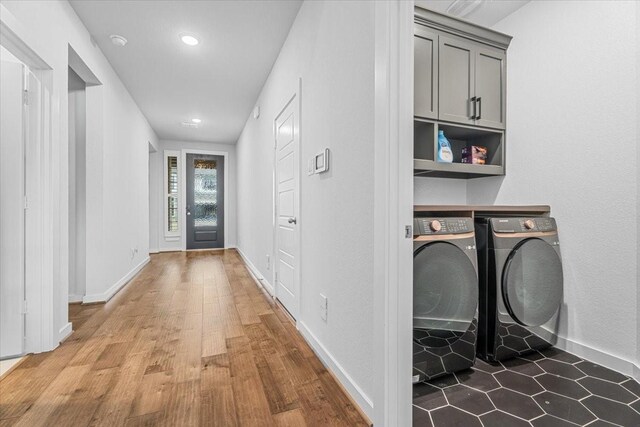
point(172, 191)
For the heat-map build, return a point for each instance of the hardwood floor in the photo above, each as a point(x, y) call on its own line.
point(190, 341)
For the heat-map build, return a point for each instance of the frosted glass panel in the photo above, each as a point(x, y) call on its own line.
point(205, 193)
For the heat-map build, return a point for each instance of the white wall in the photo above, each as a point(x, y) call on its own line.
point(637, 370)
point(77, 187)
point(122, 185)
point(157, 188)
point(572, 143)
point(331, 47)
point(439, 191)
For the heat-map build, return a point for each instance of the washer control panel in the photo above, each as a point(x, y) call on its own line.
point(523, 225)
point(427, 226)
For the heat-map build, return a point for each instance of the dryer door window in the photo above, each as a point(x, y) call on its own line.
point(445, 293)
point(532, 282)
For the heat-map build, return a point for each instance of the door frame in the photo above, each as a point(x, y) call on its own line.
point(293, 95)
point(182, 199)
point(48, 215)
point(393, 211)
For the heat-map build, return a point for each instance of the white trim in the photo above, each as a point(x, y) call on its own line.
point(162, 250)
point(64, 332)
point(256, 274)
point(154, 250)
point(75, 298)
point(109, 293)
point(619, 364)
point(18, 41)
point(183, 191)
point(354, 390)
point(393, 209)
point(171, 235)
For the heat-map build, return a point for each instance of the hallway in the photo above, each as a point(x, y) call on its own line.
point(190, 341)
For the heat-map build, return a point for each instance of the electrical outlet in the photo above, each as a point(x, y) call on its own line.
point(324, 307)
point(268, 262)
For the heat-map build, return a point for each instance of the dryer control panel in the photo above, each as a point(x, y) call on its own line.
point(523, 225)
point(428, 226)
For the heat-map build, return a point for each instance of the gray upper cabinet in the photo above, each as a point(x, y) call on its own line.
point(472, 83)
point(459, 88)
point(456, 84)
point(459, 71)
point(425, 54)
point(490, 87)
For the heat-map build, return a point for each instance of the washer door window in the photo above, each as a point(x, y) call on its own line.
point(445, 293)
point(532, 282)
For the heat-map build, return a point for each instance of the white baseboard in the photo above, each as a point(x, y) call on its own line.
point(64, 332)
point(109, 293)
point(153, 251)
point(356, 393)
point(626, 367)
point(75, 298)
point(256, 274)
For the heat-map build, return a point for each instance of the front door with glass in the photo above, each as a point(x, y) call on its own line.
point(205, 201)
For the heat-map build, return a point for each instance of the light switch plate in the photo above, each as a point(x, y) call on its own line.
point(321, 161)
point(311, 166)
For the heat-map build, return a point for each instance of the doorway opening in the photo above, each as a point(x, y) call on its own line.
point(84, 102)
point(77, 115)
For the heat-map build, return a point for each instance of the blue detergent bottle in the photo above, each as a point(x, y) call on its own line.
point(445, 155)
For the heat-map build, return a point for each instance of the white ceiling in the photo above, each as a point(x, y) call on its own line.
point(483, 12)
point(217, 81)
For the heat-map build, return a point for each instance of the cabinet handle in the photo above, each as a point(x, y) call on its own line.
point(473, 102)
point(479, 100)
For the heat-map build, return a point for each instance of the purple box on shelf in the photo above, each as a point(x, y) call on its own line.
point(474, 154)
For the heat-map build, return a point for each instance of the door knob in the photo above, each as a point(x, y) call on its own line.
point(292, 220)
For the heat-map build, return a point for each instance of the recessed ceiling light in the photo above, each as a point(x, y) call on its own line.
point(118, 40)
point(189, 40)
point(189, 125)
point(196, 121)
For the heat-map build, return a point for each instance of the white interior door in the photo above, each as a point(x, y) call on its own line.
point(11, 209)
point(287, 136)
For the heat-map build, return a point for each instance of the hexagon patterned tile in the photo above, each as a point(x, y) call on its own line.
point(542, 389)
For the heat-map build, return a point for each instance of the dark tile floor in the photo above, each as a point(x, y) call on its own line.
point(545, 389)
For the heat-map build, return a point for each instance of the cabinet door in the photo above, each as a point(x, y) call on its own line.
point(456, 79)
point(425, 72)
point(490, 87)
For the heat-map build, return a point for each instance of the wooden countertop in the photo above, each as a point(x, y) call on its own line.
point(484, 210)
